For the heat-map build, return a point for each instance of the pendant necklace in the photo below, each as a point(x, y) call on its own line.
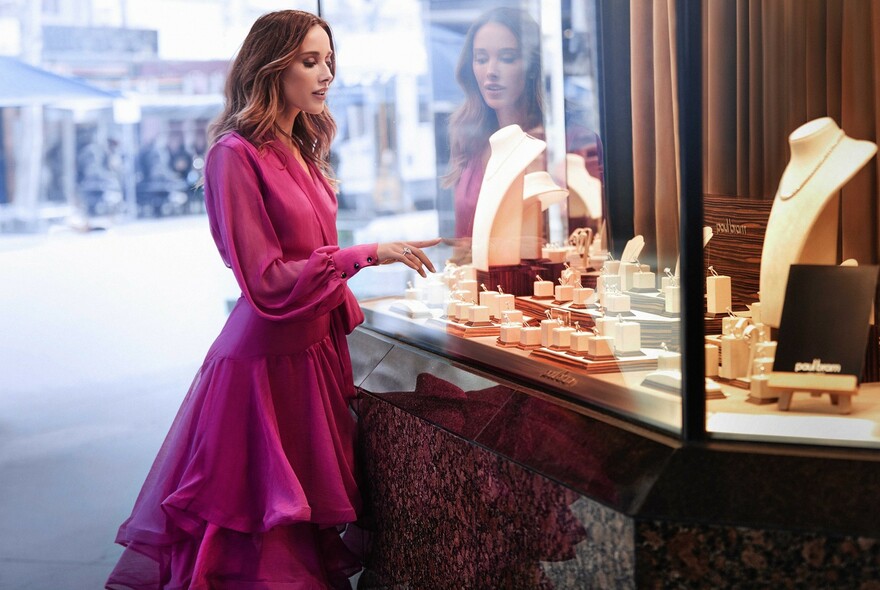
point(803, 183)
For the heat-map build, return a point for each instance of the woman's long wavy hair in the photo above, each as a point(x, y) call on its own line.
point(474, 121)
point(254, 94)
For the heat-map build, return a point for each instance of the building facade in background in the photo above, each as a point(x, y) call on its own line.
point(141, 153)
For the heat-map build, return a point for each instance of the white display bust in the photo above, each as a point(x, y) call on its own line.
point(586, 187)
point(802, 228)
point(541, 185)
point(498, 217)
point(540, 192)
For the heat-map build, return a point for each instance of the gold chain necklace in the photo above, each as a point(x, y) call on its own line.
point(812, 173)
point(508, 155)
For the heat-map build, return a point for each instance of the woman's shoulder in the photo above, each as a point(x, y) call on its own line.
point(238, 147)
point(234, 150)
point(235, 142)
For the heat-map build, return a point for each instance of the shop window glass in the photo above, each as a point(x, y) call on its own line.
point(479, 122)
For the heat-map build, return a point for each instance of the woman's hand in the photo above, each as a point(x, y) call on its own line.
point(409, 253)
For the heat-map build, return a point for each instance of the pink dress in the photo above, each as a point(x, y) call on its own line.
point(257, 473)
point(467, 190)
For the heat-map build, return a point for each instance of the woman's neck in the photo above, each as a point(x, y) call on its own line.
point(285, 138)
point(511, 116)
point(285, 120)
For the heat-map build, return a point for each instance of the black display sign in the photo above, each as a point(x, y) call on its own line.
point(825, 319)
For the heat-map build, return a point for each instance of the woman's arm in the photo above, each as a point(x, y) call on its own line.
point(278, 288)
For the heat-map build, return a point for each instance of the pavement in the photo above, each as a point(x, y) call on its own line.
point(101, 334)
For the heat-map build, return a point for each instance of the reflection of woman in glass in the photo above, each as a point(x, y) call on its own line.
point(500, 72)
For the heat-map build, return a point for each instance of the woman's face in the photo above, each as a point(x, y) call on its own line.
point(306, 80)
point(499, 67)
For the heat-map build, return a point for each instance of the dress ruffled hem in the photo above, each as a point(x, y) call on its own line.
point(293, 557)
point(252, 481)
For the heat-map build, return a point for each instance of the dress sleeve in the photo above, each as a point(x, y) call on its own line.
point(277, 287)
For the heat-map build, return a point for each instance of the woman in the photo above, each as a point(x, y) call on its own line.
point(256, 476)
point(500, 72)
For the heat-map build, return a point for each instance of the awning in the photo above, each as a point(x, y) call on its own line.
point(22, 84)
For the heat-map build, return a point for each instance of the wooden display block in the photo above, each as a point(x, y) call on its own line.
point(597, 365)
point(467, 329)
point(841, 388)
point(513, 278)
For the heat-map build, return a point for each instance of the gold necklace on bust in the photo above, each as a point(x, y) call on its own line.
point(812, 173)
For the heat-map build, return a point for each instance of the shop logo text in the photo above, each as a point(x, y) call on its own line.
point(817, 366)
point(726, 227)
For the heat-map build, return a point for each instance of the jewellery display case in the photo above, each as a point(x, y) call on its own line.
point(613, 324)
point(537, 288)
point(576, 280)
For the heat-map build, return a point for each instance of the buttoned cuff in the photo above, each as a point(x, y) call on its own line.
point(348, 261)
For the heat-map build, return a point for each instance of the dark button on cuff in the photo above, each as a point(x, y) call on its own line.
point(357, 265)
point(370, 259)
point(344, 274)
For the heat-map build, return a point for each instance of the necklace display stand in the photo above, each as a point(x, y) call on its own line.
point(539, 194)
point(498, 218)
point(540, 185)
point(586, 189)
point(802, 228)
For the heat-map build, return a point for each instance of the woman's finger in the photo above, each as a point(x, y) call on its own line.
point(416, 265)
point(417, 252)
point(424, 243)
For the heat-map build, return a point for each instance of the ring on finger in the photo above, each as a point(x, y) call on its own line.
point(406, 251)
